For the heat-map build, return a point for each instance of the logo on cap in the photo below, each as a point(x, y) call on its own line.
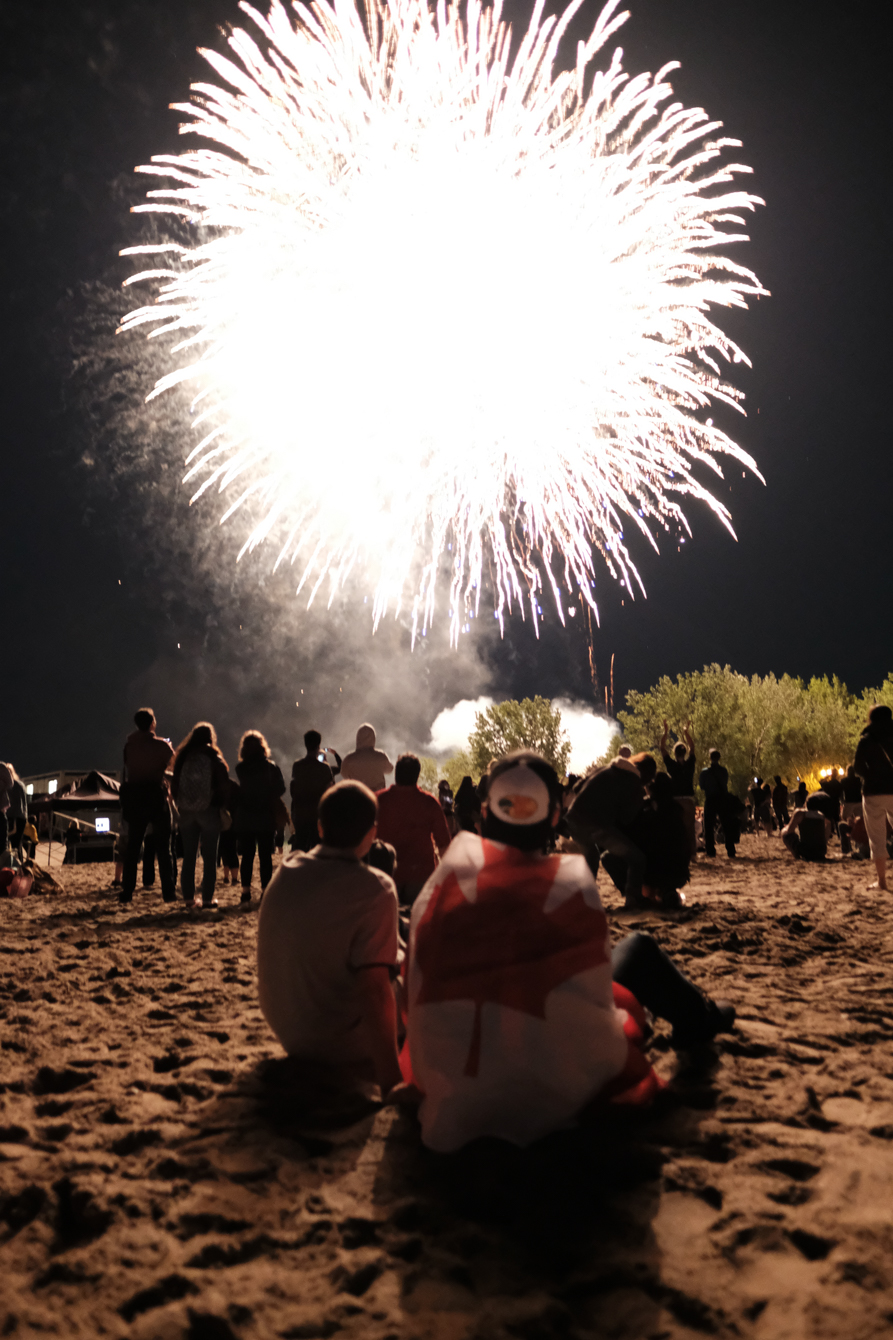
point(519, 796)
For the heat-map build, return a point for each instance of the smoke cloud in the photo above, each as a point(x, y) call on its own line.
point(589, 732)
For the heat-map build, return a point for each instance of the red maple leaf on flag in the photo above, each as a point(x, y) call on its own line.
point(504, 947)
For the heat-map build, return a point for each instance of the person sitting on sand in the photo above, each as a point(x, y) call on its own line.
point(603, 812)
point(327, 946)
point(661, 832)
point(874, 764)
point(519, 1014)
point(806, 835)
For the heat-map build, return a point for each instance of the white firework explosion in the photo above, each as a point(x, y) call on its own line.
point(446, 305)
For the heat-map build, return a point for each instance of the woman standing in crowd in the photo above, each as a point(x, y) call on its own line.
point(468, 806)
point(261, 784)
point(199, 787)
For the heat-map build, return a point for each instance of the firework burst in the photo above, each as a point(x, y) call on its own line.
point(445, 304)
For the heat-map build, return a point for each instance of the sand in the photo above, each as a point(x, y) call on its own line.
point(162, 1175)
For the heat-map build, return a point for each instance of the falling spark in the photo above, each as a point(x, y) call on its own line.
point(443, 307)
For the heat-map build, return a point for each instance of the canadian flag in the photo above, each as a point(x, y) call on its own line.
point(514, 1023)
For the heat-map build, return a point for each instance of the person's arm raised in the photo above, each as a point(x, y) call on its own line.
point(379, 1024)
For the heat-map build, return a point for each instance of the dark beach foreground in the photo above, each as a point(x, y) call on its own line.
point(163, 1174)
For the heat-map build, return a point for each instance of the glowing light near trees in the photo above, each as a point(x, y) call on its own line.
point(442, 305)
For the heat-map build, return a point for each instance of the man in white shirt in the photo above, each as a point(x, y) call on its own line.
point(327, 946)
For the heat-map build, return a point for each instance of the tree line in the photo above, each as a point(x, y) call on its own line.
point(763, 725)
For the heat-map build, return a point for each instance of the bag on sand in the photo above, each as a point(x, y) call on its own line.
point(42, 880)
point(194, 786)
point(14, 883)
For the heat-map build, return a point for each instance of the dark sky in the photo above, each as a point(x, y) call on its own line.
point(105, 575)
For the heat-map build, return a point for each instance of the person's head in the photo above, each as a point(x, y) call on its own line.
point(714, 755)
point(253, 745)
point(144, 719)
point(851, 771)
point(624, 751)
point(312, 741)
point(834, 774)
point(366, 736)
point(816, 801)
point(382, 856)
point(407, 770)
point(466, 790)
point(347, 816)
point(662, 789)
point(523, 801)
point(202, 736)
point(880, 717)
point(680, 751)
point(645, 766)
point(778, 781)
point(443, 787)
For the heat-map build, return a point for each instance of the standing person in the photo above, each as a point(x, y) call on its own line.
point(445, 796)
point(468, 806)
point(260, 785)
point(144, 801)
point(780, 803)
point(762, 811)
point(833, 787)
point(228, 847)
point(874, 764)
point(800, 794)
point(200, 785)
point(718, 805)
point(367, 764)
point(603, 813)
point(17, 814)
point(851, 795)
point(327, 947)
point(5, 784)
point(412, 821)
point(681, 768)
point(311, 778)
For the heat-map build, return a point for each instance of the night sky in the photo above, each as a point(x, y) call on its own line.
point(106, 571)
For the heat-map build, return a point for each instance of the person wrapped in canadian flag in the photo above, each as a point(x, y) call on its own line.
point(518, 1014)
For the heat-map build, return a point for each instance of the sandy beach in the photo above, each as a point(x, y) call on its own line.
point(163, 1173)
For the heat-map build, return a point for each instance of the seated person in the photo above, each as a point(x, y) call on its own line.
point(327, 947)
point(854, 837)
point(824, 803)
point(519, 1014)
point(661, 831)
point(806, 835)
point(603, 811)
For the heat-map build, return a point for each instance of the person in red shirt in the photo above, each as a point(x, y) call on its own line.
point(413, 822)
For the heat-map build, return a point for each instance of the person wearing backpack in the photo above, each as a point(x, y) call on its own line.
point(260, 785)
point(200, 786)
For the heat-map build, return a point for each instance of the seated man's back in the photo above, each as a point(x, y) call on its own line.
point(324, 917)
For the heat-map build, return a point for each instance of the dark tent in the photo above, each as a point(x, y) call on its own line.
point(95, 791)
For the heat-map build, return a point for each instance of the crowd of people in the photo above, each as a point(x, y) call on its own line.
point(453, 949)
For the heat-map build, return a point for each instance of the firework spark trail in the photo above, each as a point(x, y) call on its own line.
point(445, 304)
